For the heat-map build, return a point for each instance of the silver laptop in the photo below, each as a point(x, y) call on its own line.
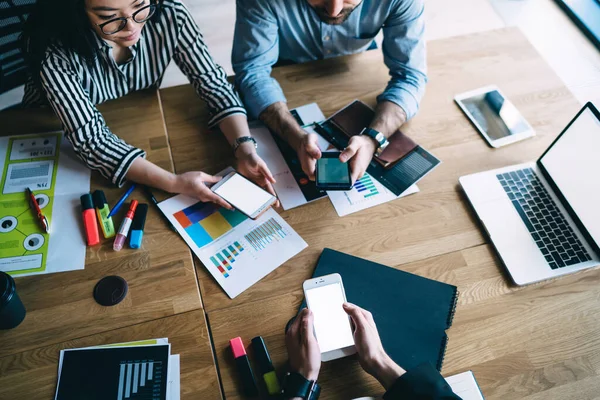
point(544, 217)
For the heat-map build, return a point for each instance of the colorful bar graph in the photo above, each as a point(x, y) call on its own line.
point(224, 259)
point(366, 187)
point(264, 234)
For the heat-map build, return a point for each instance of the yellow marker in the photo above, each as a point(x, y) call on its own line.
point(266, 366)
point(102, 211)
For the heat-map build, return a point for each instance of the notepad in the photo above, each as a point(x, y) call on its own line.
point(465, 386)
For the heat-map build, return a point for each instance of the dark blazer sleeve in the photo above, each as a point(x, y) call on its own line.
point(421, 383)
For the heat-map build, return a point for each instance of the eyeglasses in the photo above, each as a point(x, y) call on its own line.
point(116, 25)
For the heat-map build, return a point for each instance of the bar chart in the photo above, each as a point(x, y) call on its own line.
point(265, 234)
point(140, 380)
point(224, 259)
point(366, 187)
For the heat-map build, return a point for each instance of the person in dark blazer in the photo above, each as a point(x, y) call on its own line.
point(423, 382)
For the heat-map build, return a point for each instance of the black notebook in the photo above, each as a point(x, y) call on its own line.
point(412, 313)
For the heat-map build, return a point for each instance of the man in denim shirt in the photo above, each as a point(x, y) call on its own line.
point(297, 31)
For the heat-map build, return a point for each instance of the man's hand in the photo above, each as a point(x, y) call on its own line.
point(254, 168)
point(359, 152)
point(308, 154)
point(193, 184)
point(371, 355)
point(303, 349)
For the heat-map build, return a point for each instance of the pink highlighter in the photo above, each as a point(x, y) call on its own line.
point(125, 225)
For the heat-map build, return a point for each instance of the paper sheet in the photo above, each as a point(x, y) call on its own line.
point(292, 187)
point(236, 250)
point(47, 164)
point(366, 193)
point(174, 378)
point(465, 386)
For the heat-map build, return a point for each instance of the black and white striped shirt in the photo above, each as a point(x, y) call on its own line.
point(73, 87)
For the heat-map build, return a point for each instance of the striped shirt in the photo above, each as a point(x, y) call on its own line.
point(73, 87)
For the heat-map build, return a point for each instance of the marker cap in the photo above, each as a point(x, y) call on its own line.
point(139, 219)
point(263, 359)
point(86, 201)
point(237, 347)
point(135, 239)
point(99, 199)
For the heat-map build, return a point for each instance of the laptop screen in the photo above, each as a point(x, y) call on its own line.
point(572, 163)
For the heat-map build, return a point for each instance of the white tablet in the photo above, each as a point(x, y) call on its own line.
point(494, 116)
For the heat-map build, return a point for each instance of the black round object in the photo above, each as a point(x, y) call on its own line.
point(110, 290)
point(12, 311)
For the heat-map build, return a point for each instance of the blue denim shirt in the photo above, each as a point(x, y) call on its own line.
point(269, 30)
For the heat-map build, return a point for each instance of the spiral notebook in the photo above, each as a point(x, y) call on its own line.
point(412, 313)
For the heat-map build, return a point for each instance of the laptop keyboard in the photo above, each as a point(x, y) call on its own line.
point(552, 233)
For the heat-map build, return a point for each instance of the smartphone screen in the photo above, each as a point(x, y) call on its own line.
point(331, 171)
point(332, 325)
point(497, 116)
point(243, 194)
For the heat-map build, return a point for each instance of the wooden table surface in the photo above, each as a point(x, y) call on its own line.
point(536, 342)
point(163, 298)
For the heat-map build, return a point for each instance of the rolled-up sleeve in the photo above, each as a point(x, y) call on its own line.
point(405, 55)
point(255, 51)
point(84, 126)
point(208, 78)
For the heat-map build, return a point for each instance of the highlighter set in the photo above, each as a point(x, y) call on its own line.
point(94, 207)
point(265, 365)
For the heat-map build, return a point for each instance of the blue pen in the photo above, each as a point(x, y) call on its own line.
point(115, 209)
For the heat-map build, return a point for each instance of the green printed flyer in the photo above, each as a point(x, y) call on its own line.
point(30, 162)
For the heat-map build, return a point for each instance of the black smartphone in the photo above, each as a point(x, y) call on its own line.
point(331, 173)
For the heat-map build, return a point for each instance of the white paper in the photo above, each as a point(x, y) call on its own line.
point(366, 193)
point(238, 251)
point(465, 386)
point(287, 188)
point(67, 246)
point(174, 378)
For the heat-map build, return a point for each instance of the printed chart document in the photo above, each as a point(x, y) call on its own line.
point(46, 164)
point(236, 250)
point(367, 192)
point(137, 370)
point(293, 187)
point(465, 386)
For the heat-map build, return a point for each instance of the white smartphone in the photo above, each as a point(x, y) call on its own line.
point(324, 297)
point(245, 196)
point(494, 116)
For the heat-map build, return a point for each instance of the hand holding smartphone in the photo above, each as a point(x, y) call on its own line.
point(331, 173)
point(325, 297)
point(250, 199)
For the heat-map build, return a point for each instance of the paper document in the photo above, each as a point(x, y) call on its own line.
point(46, 164)
point(293, 187)
point(367, 192)
point(236, 250)
point(465, 386)
point(116, 372)
point(174, 384)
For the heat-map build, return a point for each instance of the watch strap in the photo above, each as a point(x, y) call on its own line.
point(378, 137)
point(244, 139)
point(295, 385)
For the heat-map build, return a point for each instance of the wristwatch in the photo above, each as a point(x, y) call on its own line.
point(378, 137)
point(239, 141)
point(295, 385)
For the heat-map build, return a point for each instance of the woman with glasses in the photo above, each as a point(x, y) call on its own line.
point(85, 52)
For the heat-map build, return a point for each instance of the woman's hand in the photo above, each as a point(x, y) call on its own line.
point(254, 168)
point(193, 184)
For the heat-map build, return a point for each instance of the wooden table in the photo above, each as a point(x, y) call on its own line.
point(536, 342)
point(163, 298)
